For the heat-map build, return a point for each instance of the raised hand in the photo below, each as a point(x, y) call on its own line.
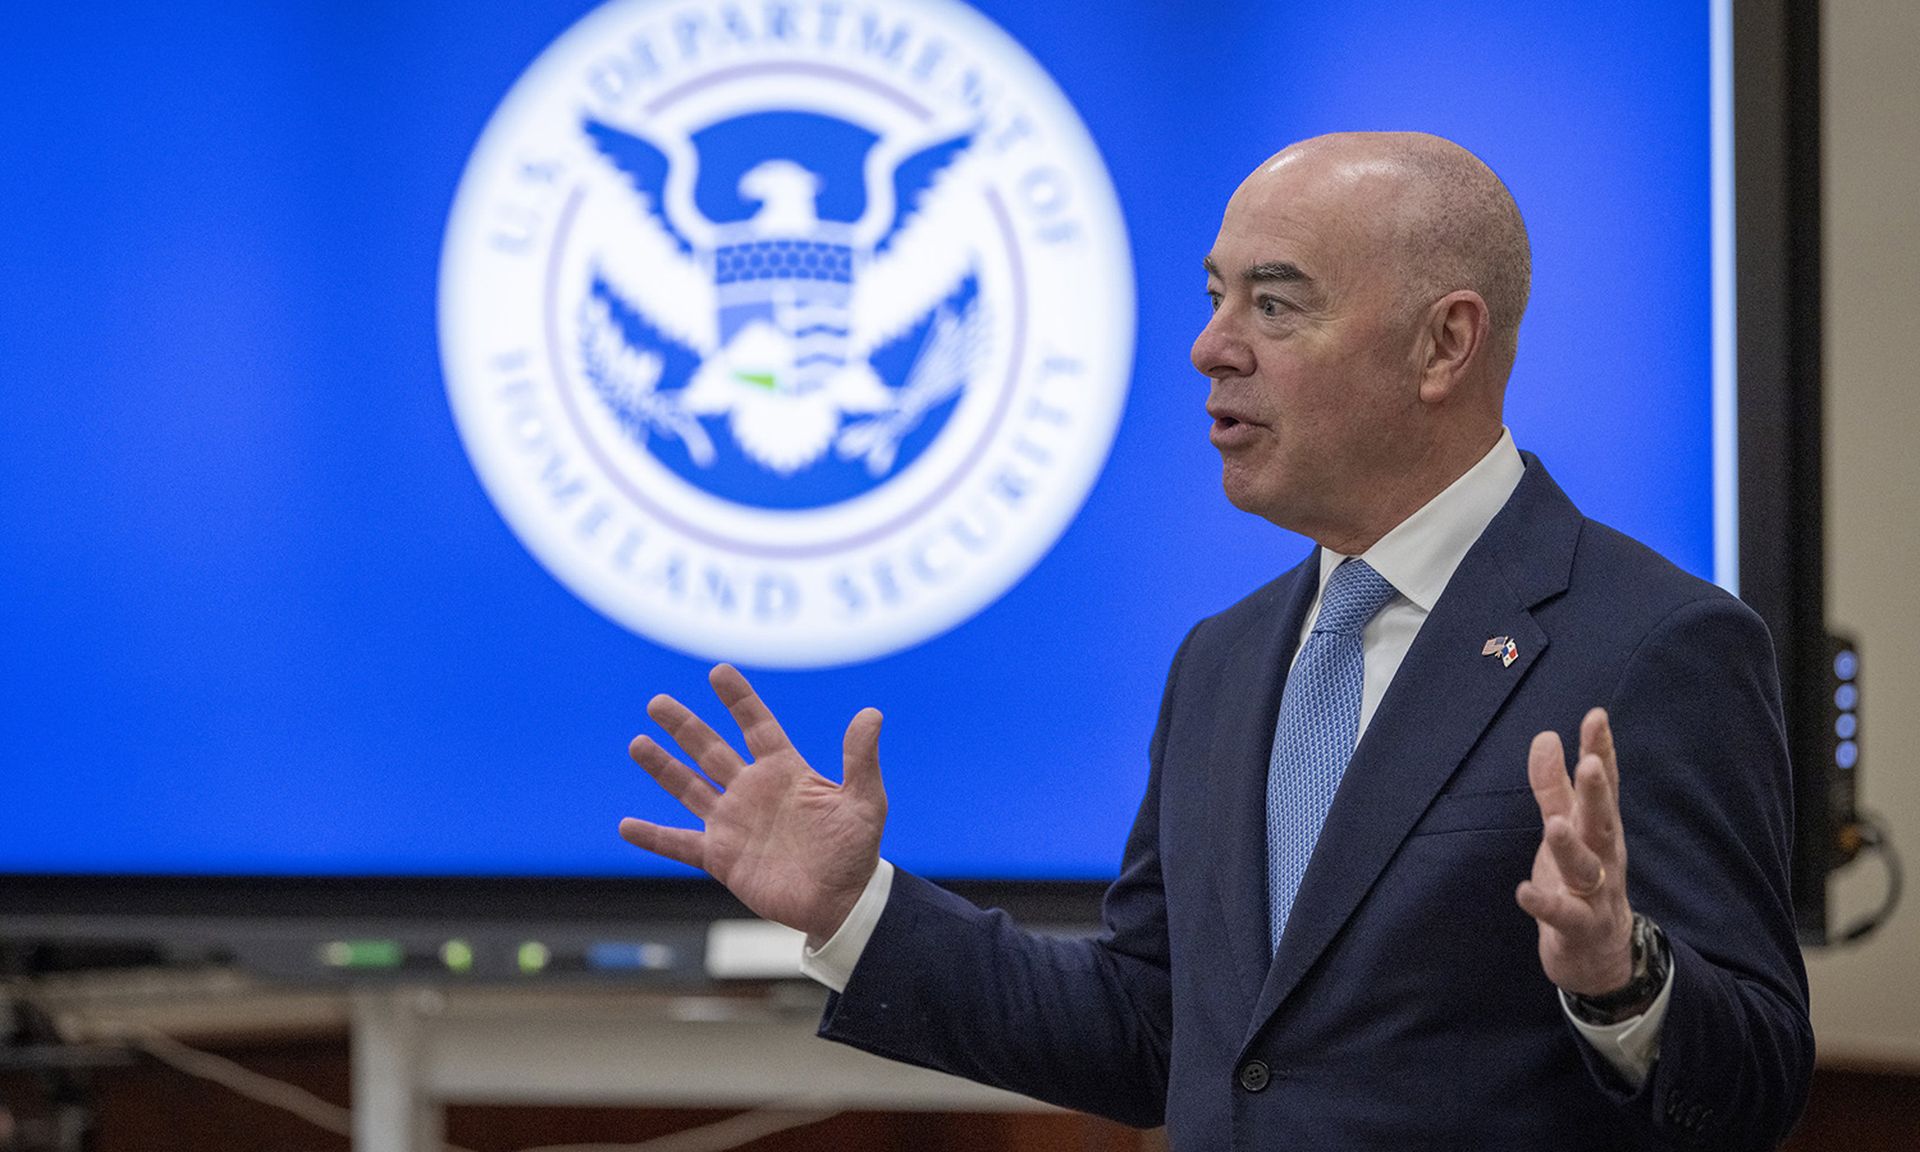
point(1578, 891)
point(794, 846)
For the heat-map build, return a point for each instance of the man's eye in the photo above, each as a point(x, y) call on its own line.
point(1272, 306)
point(1213, 301)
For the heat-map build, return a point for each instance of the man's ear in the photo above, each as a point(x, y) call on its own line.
point(1454, 344)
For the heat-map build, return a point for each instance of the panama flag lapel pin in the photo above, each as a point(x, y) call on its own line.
point(1504, 646)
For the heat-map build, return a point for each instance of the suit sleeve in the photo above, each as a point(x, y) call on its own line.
point(1706, 802)
point(1084, 1023)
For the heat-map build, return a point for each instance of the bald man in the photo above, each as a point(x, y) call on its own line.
point(1365, 903)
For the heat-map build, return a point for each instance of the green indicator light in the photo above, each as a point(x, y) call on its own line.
point(533, 957)
point(361, 954)
point(458, 955)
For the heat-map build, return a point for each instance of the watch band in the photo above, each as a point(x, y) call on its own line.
point(1651, 963)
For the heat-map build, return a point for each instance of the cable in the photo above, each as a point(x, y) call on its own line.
point(241, 1080)
point(719, 1136)
point(1873, 838)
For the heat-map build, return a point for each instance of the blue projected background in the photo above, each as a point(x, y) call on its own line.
point(257, 615)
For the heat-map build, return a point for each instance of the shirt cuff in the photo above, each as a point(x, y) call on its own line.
point(832, 963)
point(1632, 1045)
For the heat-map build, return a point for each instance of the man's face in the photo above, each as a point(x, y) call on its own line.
point(1313, 394)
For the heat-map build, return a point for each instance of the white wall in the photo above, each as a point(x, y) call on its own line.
point(1866, 999)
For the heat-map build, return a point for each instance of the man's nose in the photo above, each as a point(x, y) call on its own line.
point(1218, 351)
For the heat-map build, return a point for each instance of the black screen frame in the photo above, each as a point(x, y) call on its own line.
point(1777, 194)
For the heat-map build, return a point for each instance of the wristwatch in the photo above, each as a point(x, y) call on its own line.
point(1651, 963)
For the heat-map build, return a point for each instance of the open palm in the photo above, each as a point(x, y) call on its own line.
point(793, 846)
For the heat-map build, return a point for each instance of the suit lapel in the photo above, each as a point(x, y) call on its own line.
point(1441, 700)
point(1251, 681)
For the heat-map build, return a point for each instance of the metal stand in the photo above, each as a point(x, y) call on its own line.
point(392, 1111)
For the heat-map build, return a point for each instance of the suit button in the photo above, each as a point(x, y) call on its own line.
point(1255, 1075)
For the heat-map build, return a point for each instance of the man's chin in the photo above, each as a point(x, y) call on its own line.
point(1245, 492)
point(1258, 496)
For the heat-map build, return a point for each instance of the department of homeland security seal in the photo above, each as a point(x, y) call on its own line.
point(792, 333)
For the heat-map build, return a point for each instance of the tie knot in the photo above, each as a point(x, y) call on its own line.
point(1353, 594)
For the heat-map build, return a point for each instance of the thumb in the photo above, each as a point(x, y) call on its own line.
point(860, 753)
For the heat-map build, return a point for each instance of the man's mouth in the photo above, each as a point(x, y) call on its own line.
point(1229, 430)
point(1224, 417)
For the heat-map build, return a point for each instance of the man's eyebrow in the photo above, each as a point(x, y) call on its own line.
point(1271, 271)
point(1280, 270)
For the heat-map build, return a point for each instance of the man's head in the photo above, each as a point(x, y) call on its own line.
point(1367, 292)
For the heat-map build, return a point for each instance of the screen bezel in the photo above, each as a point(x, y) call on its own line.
point(1779, 360)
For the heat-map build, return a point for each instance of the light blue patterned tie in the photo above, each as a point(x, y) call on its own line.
point(1319, 725)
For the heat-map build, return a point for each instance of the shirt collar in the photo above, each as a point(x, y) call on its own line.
point(1419, 555)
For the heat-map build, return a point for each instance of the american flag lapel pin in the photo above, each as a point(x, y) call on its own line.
point(1502, 646)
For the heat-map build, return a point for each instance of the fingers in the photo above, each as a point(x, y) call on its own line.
point(714, 755)
point(860, 752)
point(1554, 907)
point(1597, 783)
point(762, 731)
point(717, 758)
point(1578, 892)
point(682, 844)
point(1596, 739)
point(1591, 801)
point(1547, 773)
point(1582, 871)
point(680, 781)
point(1597, 815)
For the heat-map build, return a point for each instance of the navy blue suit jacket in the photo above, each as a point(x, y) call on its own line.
point(1406, 1006)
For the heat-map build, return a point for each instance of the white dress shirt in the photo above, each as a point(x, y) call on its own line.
point(1418, 557)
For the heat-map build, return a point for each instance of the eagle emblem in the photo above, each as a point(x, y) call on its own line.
point(770, 328)
point(794, 333)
